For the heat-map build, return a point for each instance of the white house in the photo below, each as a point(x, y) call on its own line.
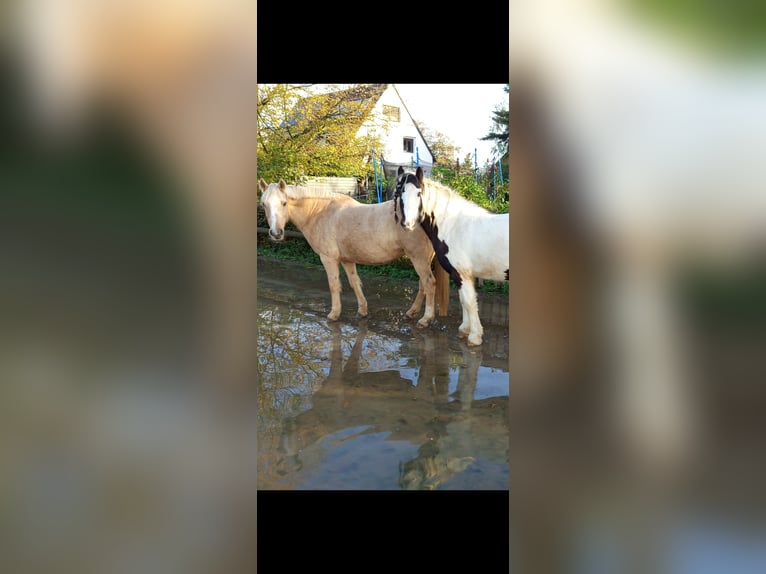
point(384, 116)
point(389, 119)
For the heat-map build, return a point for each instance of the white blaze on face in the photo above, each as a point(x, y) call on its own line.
point(275, 205)
point(274, 219)
point(411, 201)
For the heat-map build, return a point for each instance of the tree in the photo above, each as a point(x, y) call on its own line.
point(442, 148)
point(303, 133)
point(499, 130)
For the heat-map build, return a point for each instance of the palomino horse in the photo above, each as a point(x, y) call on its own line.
point(469, 241)
point(344, 231)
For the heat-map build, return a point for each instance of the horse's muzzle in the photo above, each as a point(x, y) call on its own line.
point(409, 225)
point(278, 235)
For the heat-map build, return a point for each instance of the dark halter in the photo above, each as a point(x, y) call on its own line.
point(399, 191)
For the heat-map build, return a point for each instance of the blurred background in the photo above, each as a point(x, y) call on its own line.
point(638, 305)
point(118, 450)
point(638, 291)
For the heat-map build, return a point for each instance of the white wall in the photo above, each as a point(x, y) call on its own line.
point(347, 185)
point(393, 151)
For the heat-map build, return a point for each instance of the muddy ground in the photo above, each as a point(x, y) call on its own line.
point(376, 403)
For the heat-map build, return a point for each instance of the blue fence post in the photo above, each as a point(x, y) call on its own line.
point(375, 169)
point(378, 183)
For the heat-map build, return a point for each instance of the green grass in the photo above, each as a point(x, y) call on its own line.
point(296, 249)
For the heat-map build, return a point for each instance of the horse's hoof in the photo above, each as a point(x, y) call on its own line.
point(471, 343)
point(462, 334)
point(423, 324)
point(332, 317)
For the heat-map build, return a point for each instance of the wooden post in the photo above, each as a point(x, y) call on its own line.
point(441, 297)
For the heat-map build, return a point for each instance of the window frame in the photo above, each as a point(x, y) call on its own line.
point(393, 113)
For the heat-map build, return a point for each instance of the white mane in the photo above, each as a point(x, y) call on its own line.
point(444, 193)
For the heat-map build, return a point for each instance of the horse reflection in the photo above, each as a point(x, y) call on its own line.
point(420, 411)
point(450, 449)
point(350, 398)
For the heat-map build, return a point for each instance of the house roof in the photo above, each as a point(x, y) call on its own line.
point(368, 95)
point(417, 127)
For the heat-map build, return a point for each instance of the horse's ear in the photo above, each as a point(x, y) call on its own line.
point(262, 184)
point(419, 174)
point(400, 171)
point(282, 184)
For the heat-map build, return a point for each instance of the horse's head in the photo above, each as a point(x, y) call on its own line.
point(274, 201)
point(409, 197)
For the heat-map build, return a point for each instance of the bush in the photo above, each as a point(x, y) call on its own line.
point(467, 186)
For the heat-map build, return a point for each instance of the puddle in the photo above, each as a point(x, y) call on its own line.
point(374, 403)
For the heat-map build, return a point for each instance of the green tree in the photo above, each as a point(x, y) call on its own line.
point(498, 133)
point(443, 149)
point(302, 133)
point(464, 182)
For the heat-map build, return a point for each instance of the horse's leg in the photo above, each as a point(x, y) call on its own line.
point(426, 290)
point(333, 280)
point(467, 378)
point(352, 364)
point(471, 324)
point(418, 302)
point(356, 285)
point(465, 325)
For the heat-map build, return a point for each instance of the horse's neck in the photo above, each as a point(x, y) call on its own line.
point(448, 207)
point(304, 210)
point(442, 202)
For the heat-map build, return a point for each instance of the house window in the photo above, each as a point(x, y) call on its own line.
point(391, 112)
point(409, 145)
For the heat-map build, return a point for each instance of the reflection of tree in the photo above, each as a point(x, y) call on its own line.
point(293, 355)
point(289, 363)
point(352, 395)
point(298, 354)
point(286, 343)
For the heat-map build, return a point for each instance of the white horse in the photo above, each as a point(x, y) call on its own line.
point(470, 242)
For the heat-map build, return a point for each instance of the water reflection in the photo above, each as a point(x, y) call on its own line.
point(348, 406)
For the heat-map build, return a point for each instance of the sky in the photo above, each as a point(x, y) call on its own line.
point(462, 112)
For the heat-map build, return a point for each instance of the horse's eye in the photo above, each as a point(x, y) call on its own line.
point(284, 203)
